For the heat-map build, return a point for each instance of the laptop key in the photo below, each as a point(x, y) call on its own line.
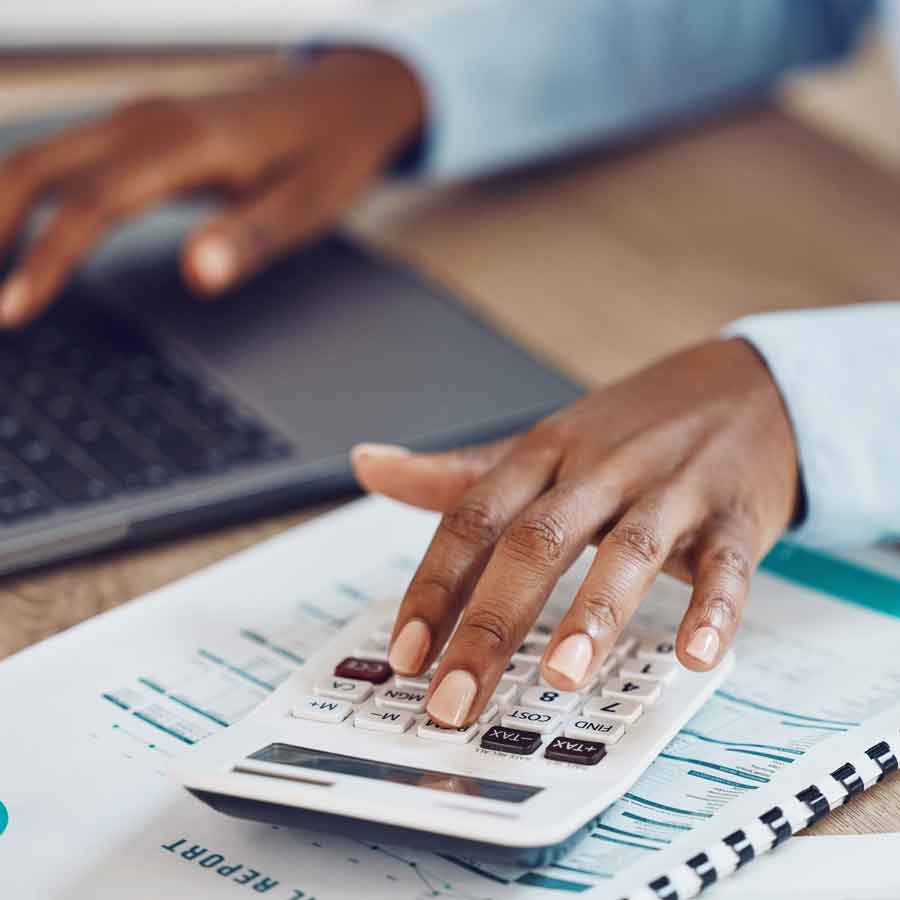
point(127, 467)
point(24, 503)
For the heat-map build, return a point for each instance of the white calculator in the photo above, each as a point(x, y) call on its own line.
point(346, 746)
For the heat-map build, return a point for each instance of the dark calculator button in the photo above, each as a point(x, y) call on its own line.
point(372, 670)
point(510, 740)
point(572, 750)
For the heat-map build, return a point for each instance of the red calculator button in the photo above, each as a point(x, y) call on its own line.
point(373, 670)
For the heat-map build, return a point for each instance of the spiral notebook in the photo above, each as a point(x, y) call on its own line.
point(828, 778)
point(825, 779)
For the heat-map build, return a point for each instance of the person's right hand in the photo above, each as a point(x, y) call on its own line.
point(290, 155)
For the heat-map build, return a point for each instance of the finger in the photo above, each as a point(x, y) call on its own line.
point(726, 560)
point(30, 171)
point(529, 558)
point(299, 207)
point(127, 187)
point(430, 480)
point(459, 551)
point(627, 562)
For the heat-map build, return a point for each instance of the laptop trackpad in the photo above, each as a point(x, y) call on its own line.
point(335, 347)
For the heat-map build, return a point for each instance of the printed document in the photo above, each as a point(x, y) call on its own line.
point(92, 719)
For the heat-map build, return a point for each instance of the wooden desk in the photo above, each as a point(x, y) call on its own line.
point(600, 264)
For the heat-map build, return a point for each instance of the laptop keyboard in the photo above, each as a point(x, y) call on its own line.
point(91, 409)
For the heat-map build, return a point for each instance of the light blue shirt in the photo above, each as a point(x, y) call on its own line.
point(513, 81)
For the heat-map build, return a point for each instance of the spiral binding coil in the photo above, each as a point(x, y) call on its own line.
point(701, 865)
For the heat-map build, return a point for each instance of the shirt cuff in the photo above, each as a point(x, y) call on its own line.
point(833, 369)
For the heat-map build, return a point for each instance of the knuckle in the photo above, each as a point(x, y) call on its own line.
point(432, 585)
point(733, 562)
point(537, 536)
point(721, 607)
point(473, 522)
point(638, 541)
point(603, 610)
point(488, 628)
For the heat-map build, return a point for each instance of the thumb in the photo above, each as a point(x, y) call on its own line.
point(429, 480)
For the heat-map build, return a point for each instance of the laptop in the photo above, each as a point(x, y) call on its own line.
point(131, 411)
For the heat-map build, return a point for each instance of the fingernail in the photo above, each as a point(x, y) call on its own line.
point(572, 657)
point(704, 645)
point(14, 299)
point(410, 648)
point(216, 261)
point(379, 451)
point(451, 702)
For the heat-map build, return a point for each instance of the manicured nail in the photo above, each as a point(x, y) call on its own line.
point(451, 702)
point(14, 300)
point(216, 261)
point(409, 650)
point(572, 657)
point(704, 645)
point(379, 451)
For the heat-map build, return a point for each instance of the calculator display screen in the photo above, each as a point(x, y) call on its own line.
point(323, 761)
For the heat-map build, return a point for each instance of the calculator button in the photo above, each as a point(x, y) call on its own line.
point(321, 709)
point(348, 689)
point(520, 672)
point(637, 689)
point(657, 649)
point(390, 720)
point(530, 652)
point(608, 666)
point(624, 646)
point(510, 740)
point(653, 670)
point(625, 711)
point(416, 683)
point(531, 720)
point(401, 698)
point(505, 693)
point(550, 700)
point(572, 750)
point(606, 731)
point(431, 730)
point(374, 670)
point(489, 713)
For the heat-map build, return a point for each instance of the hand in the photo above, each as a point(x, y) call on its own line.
point(688, 466)
point(291, 153)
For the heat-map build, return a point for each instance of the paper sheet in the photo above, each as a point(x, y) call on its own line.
point(92, 717)
point(861, 867)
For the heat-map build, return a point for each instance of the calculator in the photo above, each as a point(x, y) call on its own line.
point(346, 746)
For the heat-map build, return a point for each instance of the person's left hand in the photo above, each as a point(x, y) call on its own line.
point(690, 465)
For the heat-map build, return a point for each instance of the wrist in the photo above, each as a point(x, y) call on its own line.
point(377, 95)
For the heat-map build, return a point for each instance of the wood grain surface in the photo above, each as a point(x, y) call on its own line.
point(598, 263)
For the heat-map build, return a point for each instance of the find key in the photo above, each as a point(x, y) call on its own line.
point(375, 671)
